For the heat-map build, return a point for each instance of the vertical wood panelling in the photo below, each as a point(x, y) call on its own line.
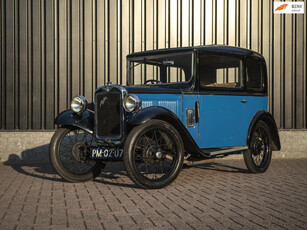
point(75, 48)
point(29, 64)
point(208, 22)
point(113, 41)
point(232, 24)
point(254, 25)
point(219, 22)
point(81, 47)
point(185, 27)
point(63, 73)
point(88, 49)
point(100, 41)
point(299, 72)
point(23, 67)
point(2, 65)
point(264, 41)
point(196, 22)
point(50, 63)
point(288, 77)
point(37, 59)
point(16, 63)
point(10, 63)
point(52, 50)
point(243, 22)
point(125, 36)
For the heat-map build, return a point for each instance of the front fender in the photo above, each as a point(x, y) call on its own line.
point(269, 120)
point(84, 121)
point(161, 113)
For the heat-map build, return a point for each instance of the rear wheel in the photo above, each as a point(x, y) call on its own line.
point(153, 154)
point(258, 157)
point(69, 155)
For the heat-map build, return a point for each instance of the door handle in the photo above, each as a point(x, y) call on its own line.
point(197, 112)
point(244, 101)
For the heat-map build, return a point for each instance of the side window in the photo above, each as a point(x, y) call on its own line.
point(219, 71)
point(254, 76)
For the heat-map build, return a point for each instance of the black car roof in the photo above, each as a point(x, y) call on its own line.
point(209, 48)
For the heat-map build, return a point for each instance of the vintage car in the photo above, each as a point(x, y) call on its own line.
point(178, 104)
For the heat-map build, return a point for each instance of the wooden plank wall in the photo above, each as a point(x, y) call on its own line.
point(52, 50)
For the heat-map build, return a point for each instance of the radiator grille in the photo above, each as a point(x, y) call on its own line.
point(109, 110)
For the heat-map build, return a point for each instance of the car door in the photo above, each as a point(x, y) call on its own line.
point(223, 121)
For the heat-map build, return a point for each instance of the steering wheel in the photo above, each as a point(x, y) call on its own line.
point(152, 81)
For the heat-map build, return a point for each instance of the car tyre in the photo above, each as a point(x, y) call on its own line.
point(153, 154)
point(63, 158)
point(257, 159)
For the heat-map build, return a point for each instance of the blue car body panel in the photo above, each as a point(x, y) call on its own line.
point(173, 102)
point(224, 119)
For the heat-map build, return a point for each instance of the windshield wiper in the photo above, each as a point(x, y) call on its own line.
point(144, 61)
point(140, 62)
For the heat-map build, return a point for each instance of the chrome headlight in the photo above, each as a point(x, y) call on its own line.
point(132, 102)
point(78, 104)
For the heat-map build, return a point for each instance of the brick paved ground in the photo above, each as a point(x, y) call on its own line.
point(218, 194)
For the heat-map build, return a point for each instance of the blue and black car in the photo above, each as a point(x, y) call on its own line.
point(178, 104)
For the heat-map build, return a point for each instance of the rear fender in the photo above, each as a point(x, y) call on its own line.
point(84, 121)
point(269, 120)
point(161, 113)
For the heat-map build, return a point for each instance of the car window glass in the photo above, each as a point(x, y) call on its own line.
point(220, 71)
point(163, 68)
point(163, 74)
point(254, 78)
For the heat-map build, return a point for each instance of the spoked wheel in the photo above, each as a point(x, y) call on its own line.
point(69, 155)
point(153, 154)
point(258, 157)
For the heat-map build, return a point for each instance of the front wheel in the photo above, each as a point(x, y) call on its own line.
point(258, 157)
point(153, 154)
point(69, 155)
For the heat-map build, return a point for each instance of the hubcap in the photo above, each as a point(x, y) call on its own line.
point(158, 155)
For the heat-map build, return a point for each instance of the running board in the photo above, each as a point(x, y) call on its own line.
point(224, 151)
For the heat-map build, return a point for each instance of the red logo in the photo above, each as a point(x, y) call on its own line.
point(281, 7)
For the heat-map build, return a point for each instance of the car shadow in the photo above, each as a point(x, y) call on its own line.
point(218, 166)
point(35, 162)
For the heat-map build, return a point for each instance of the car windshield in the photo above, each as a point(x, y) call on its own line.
point(160, 69)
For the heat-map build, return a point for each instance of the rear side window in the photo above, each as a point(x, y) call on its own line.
point(254, 76)
point(218, 71)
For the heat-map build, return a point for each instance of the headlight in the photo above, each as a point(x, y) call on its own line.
point(78, 104)
point(132, 102)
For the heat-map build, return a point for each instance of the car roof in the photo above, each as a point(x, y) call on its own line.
point(209, 48)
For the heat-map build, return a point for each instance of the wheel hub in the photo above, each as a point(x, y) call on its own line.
point(158, 155)
point(151, 155)
point(258, 147)
point(79, 151)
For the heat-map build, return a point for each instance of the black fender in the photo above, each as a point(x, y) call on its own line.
point(269, 120)
point(161, 113)
point(84, 121)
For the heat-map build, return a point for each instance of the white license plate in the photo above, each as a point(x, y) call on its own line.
point(107, 153)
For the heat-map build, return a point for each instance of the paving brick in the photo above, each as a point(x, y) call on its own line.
point(217, 194)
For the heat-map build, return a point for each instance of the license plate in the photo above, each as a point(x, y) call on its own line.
point(107, 153)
